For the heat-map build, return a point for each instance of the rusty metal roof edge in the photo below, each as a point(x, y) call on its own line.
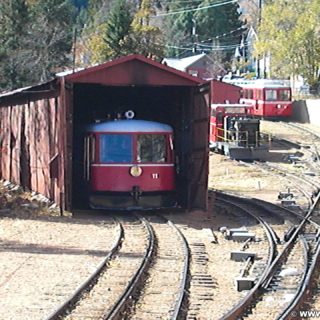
point(131, 57)
point(35, 89)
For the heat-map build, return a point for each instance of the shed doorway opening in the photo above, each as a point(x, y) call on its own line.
point(93, 102)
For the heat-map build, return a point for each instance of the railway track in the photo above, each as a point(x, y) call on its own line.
point(108, 291)
point(301, 184)
point(292, 285)
point(144, 274)
point(284, 277)
point(307, 141)
point(163, 294)
point(314, 137)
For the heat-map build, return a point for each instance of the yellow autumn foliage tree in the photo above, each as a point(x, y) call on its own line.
point(290, 33)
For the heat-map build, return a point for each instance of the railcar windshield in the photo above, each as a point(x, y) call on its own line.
point(116, 148)
point(151, 148)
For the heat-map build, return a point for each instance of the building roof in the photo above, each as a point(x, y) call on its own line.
point(133, 69)
point(49, 89)
point(130, 70)
point(260, 83)
point(184, 63)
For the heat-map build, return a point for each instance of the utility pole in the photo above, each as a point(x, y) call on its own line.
point(260, 7)
point(194, 35)
point(258, 58)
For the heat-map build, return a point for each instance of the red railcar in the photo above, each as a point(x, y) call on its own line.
point(269, 98)
point(235, 132)
point(130, 164)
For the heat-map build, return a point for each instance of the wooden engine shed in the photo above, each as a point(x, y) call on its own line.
point(42, 127)
point(223, 92)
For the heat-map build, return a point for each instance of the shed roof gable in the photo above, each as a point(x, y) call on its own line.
point(133, 70)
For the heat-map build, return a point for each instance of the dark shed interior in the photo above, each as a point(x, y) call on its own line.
point(170, 105)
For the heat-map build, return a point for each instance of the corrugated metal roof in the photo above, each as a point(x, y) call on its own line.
point(67, 72)
point(184, 63)
point(8, 93)
point(41, 88)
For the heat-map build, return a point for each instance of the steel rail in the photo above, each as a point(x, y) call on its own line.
point(262, 166)
point(65, 306)
point(306, 130)
point(304, 291)
point(289, 309)
point(183, 283)
point(119, 307)
point(236, 311)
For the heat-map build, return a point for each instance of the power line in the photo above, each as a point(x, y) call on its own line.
point(195, 9)
point(181, 1)
point(208, 47)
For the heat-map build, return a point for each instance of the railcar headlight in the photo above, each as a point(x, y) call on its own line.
point(136, 171)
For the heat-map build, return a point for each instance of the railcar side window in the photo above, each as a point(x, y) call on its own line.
point(116, 148)
point(248, 93)
point(259, 95)
point(151, 148)
point(284, 95)
point(271, 95)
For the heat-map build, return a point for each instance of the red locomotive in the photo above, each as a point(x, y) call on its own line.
point(130, 164)
point(269, 98)
point(235, 133)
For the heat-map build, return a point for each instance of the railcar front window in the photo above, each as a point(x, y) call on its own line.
point(151, 148)
point(271, 95)
point(284, 95)
point(116, 148)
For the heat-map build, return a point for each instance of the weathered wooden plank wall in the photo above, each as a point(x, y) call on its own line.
point(31, 146)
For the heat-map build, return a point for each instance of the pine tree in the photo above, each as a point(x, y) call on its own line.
point(14, 23)
point(179, 27)
point(200, 22)
point(52, 36)
point(290, 33)
point(117, 29)
point(219, 26)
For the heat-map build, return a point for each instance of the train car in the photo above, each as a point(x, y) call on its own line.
point(271, 99)
point(235, 132)
point(129, 164)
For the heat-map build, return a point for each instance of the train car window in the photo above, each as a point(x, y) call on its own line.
point(151, 148)
point(259, 94)
point(271, 95)
point(116, 148)
point(92, 151)
point(284, 95)
point(213, 112)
